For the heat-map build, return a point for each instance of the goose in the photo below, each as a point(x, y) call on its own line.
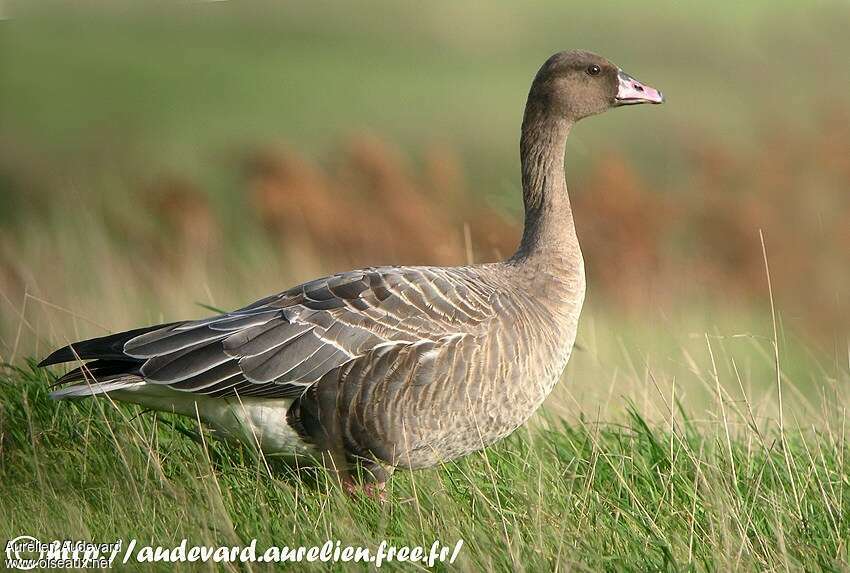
point(394, 366)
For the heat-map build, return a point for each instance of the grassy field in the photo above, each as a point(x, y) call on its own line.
point(730, 491)
point(656, 452)
point(155, 162)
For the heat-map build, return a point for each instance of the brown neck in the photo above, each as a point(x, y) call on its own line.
point(549, 230)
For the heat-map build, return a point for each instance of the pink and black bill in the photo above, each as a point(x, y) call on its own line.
point(632, 92)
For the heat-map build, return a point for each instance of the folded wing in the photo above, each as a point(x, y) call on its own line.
point(279, 346)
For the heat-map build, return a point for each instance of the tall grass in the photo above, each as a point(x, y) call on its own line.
point(719, 488)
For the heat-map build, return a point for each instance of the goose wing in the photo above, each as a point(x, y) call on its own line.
point(280, 345)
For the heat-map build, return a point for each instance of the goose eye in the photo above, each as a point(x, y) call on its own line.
point(593, 70)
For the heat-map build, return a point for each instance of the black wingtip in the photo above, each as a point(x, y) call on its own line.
point(64, 354)
point(108, 347)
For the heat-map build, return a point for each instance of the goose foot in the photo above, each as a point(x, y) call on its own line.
point(373, 490)
point(376, 490)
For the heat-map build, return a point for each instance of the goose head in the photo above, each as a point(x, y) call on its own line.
point(576, 84)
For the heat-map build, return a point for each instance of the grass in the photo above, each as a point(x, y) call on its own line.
point(653, 488)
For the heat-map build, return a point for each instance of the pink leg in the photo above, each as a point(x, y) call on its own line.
point(374, 490)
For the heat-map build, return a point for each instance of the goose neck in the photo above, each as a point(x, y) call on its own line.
point(549, 228)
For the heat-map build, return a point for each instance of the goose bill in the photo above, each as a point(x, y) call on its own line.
point(631, 92)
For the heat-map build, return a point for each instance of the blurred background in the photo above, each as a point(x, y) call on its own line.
point(160, 159)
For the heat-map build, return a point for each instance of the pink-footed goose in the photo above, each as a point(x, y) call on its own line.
point(388, 366)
